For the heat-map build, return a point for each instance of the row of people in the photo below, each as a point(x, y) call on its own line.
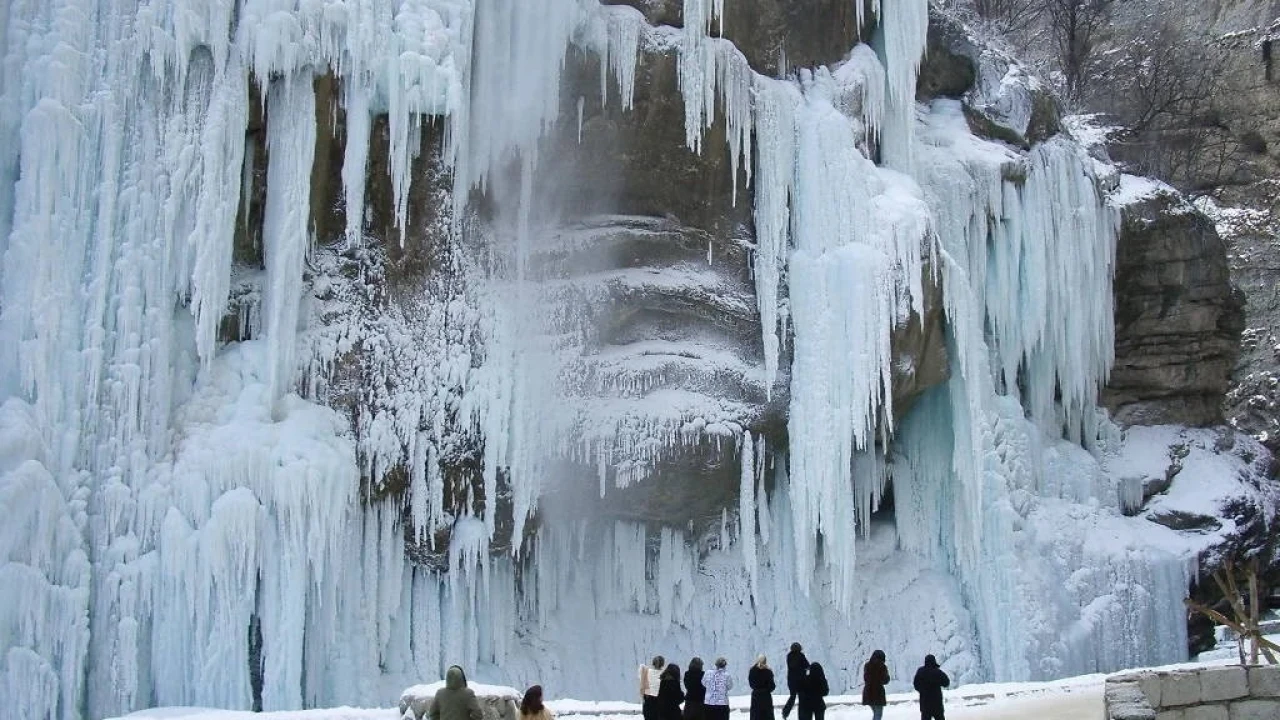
point(662, 697)
point(806, 683)
point(706, 697)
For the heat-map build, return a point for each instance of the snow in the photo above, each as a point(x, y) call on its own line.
point(340, 713)
point(480, 689)
point(1060, 700)
point(1133, 189)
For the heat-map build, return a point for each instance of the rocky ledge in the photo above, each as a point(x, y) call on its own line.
point(1178, 318)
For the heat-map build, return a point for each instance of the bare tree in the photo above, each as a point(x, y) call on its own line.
point(1015, 18)
point(1075, 26)
point(1162, 90)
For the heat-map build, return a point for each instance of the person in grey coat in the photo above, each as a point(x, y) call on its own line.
point(455, 701)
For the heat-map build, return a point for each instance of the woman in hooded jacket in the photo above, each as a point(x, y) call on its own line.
point(695, 693)
point(760, 678)
point(875, 675)
point(669, 693)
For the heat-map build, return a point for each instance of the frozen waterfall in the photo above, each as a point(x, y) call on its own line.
point(196, 516)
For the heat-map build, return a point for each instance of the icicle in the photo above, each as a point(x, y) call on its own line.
point(291, 139)
point(762, 497)
point(355, 159)
point(845, 299)
point(223, 160)
point(775, 172)
point(517, 56)
point(903, 33)
point(747, 509)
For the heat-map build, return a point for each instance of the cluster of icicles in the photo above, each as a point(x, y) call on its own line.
point(175, 503)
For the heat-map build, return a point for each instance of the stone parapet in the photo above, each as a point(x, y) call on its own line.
point(1214, 693)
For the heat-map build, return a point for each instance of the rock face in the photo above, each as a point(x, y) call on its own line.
point(1242, 36)
point(1253, 402)
point(1001, 101)
point(1178, 320)
point(649, 264)
point(775, 35)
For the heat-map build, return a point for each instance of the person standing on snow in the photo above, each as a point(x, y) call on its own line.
point(650, 680)
point(875, 675)
point(719, 683)
point(929, 681)
point(760, 679)
point(531, 707)
point(797, 666)
point(695, 693)
point(669, 693)
point(455, 701)
point(813, 703)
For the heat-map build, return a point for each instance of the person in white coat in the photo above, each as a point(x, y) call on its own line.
point(650, 679)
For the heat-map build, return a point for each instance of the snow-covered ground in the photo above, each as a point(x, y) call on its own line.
point(1069, 699)
point(1075, 698)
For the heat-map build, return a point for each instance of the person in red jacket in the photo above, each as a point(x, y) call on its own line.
point(875, 675)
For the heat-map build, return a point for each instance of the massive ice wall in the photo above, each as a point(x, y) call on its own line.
point(198, 527)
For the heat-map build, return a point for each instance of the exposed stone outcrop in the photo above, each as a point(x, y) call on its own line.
point(1245, 219)
point(1242, 40)
point(1178, 319)
point(657, 211)
point(1002, 101)
point(775, 35)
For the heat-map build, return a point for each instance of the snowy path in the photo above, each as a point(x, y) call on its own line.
point(1075, 706)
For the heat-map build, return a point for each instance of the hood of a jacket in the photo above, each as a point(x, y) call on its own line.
point(454, 678)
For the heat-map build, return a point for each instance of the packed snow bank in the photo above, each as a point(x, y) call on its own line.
point(342, 713)
point(480, 689)
point(496, 702)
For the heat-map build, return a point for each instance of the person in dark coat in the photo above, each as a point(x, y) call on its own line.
point(930, 679)
point(797, 666)
point(695, 693)
point(813, 693)
point(875, 675)
point(669, 693)
point(760, 678)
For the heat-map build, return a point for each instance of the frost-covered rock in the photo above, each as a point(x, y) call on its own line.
point(1178, 318)
point(1253, 402)
point(1002, 100)
point(496, 702)
point(777, 36)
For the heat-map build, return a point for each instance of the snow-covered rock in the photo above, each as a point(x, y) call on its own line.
point(496, 702)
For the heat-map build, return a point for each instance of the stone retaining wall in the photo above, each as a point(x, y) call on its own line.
point(1216, 693)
